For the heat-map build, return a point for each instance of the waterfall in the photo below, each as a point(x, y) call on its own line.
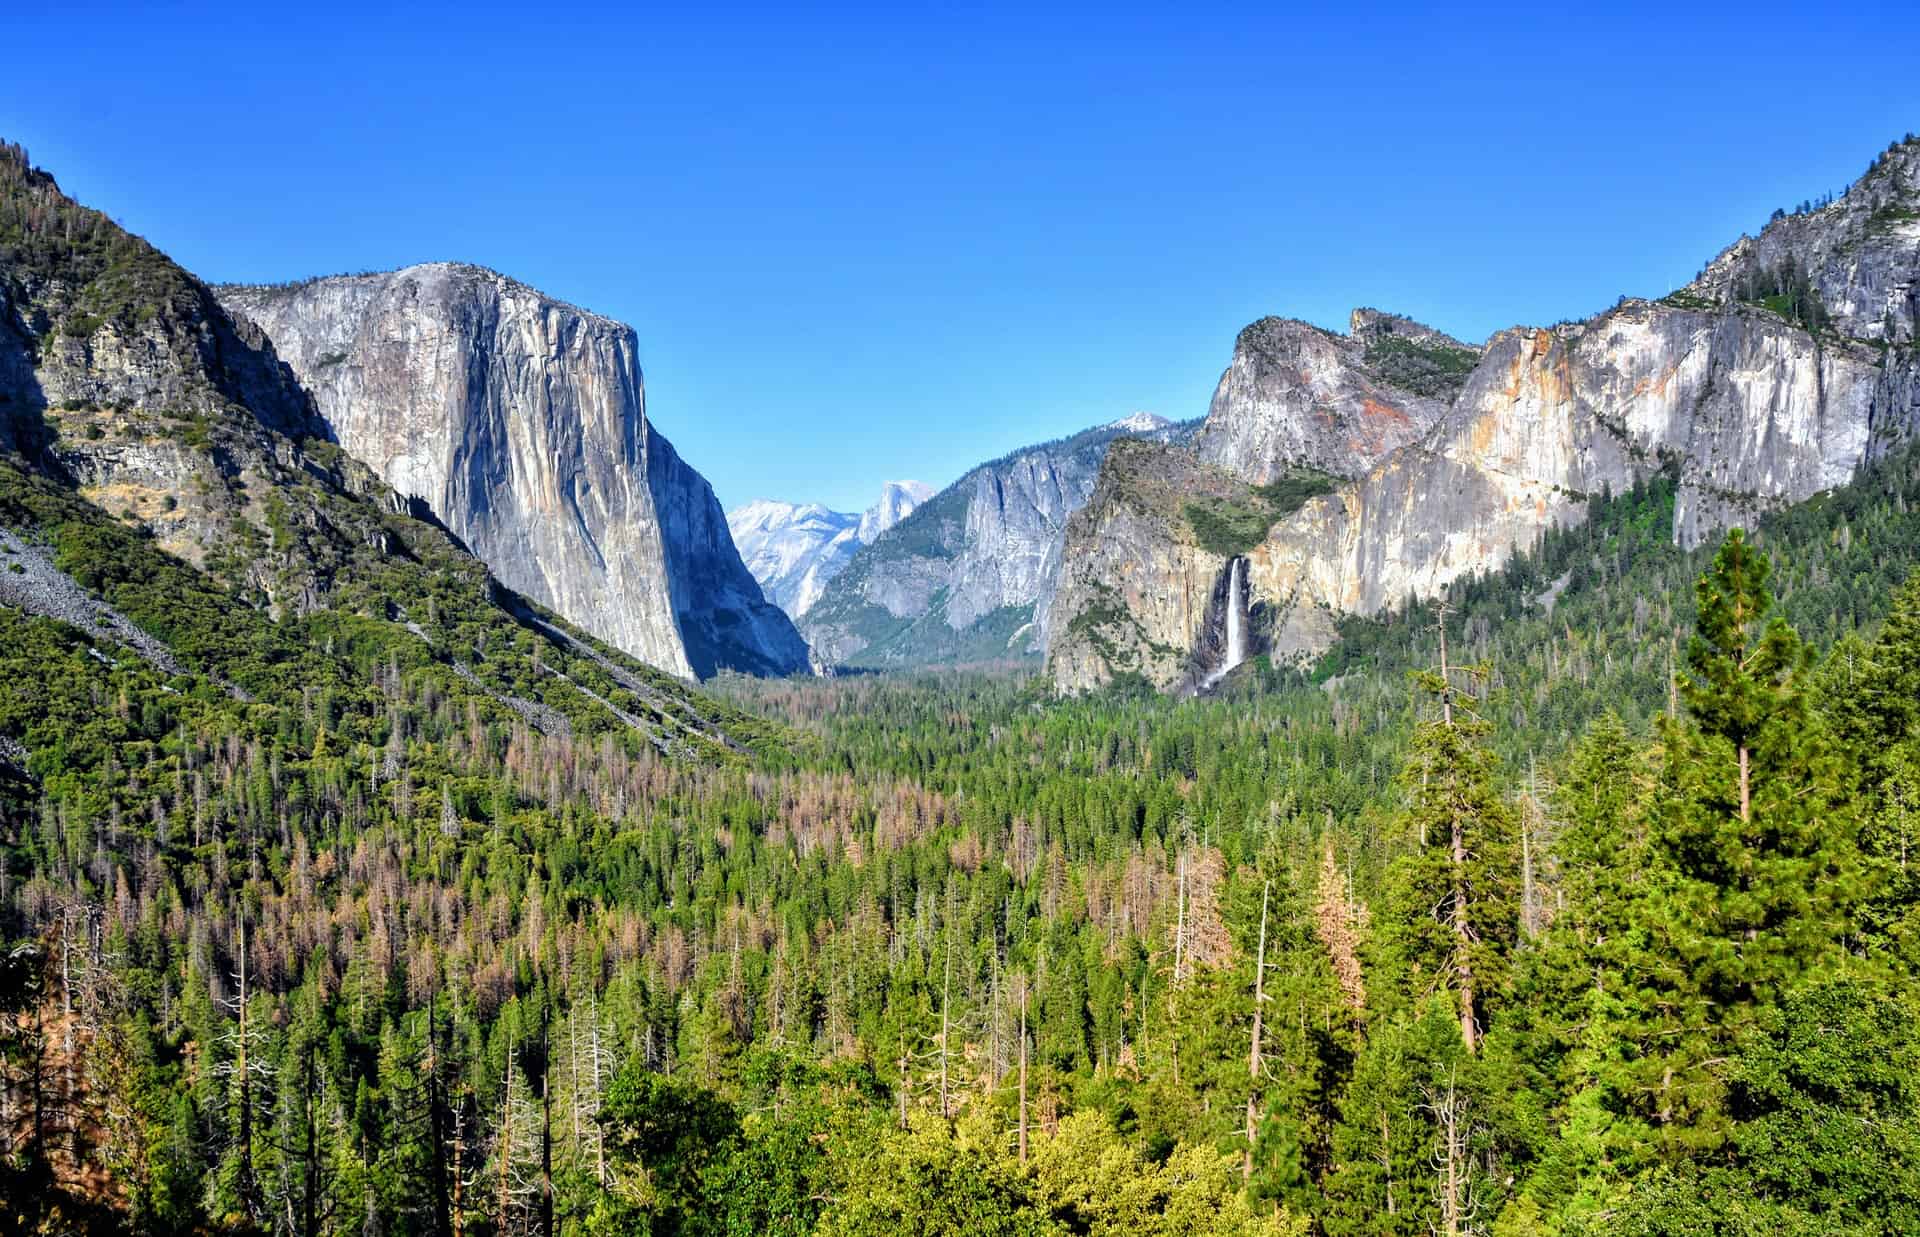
point(1236, 613)
point(1236, 650)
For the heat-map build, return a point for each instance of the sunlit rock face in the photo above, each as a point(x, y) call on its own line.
point(1750, 400)
point(970, 574)
point(795, 549)
point(521, 422)
point(1296, 395)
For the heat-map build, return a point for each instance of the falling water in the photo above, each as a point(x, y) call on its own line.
point(1236, 651)
point(1237, 613)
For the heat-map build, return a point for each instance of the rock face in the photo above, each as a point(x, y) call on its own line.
point(897, 501)
point(1297, 395)
point(794, 549)
point(122, 378)
point(129, 395)
point(970, 574)
point(1775, 375)
point(521, 422)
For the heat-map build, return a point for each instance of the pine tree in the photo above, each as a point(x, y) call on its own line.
point(1757, 869)
point(1454, 906)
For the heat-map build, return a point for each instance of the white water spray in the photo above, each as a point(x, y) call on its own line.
point(1236, 622)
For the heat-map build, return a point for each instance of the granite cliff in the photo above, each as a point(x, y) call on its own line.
point(521, 423)
point(1787, 364)
point(1295, 395)
point(970, 574)
point(170, 492)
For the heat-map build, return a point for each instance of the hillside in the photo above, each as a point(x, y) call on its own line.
point(164, 464)
point(969, 576)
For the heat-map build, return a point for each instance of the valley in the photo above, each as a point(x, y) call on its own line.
point(1448, 788)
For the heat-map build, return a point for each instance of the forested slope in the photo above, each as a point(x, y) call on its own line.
point(342, 890)
point(803, 992)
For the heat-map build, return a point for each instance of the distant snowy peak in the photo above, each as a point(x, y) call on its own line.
point(793, 549)
point(1140, 423)
point(897, 501)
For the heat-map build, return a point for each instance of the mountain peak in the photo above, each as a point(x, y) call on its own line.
point(897, 501)
point(1140, 423)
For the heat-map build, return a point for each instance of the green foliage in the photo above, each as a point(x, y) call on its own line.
point(1233, 526)
point(1432, 369)
point(702, 986)
point(1786, 290)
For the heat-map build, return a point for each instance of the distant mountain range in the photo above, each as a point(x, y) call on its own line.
point(969, 574)
point(794, 549)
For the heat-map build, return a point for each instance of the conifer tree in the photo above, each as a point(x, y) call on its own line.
point(1454, 906)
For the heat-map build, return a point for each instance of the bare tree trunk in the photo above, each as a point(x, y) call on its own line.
point(1180, 927)
point(1463, 937)
point(1528, 921)
point(946, 987)
point(1023, 1073)
point(1386, 1159)
point(1455, 1203)
point(506, 1139)
point(546, 1126)
point(437, 1120)
point(901, 1091)
point(459, 1168)
point(1253, 1049)
point(599, 1143)
point(245, 1183)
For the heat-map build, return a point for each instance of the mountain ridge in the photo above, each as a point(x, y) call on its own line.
point(168, 488)
point(1773, 376)
point(969, 575)
point(795, 549)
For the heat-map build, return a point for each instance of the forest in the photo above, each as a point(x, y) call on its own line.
point(1577, 901)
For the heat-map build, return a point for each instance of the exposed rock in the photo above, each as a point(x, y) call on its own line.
point(1749, 408)
point(1295, 394)
point(794, 549)
point(521, 422)
point(29, 581)
point(897, 501)
point(1139, 594)
point(1861, 253)
point(970, 574)
point(128, 394)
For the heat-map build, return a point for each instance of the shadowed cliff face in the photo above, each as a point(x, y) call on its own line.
point(1722, 382)
point(971, 573)
point(521, 421)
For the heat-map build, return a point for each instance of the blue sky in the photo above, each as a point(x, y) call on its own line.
point(860, 244)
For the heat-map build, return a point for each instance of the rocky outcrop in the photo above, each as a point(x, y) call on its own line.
point(795, 549)
point(123, 378)
point(1140, 595)
point(1295, 395)
point(1773, 377)
point(521, 422)
point(970, 574)
point(1860, 254)
point(896, 502)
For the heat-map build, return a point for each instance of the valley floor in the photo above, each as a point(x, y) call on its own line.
point(1602, 924)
